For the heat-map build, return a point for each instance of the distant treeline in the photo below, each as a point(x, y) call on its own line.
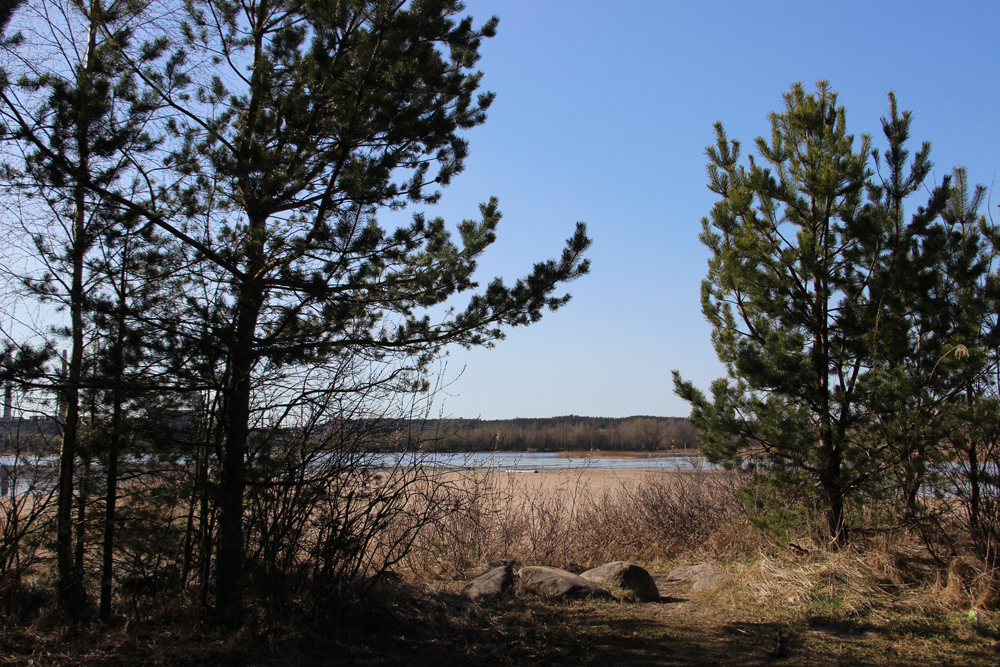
point(569, 433)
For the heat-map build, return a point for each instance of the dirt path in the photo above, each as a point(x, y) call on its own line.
point(439, 628)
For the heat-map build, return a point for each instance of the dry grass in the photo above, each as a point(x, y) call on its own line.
point(424, 625)
point(571, 522)
point(860, 606)
point(881, 601)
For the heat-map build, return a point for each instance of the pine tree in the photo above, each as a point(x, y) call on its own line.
point(291, 125)
point(74, 122)
point(904, 337)
point(806, 298)
point(956, 333)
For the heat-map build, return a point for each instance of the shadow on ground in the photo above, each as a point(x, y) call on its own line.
point(441, 629)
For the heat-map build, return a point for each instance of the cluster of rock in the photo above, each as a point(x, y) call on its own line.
point(630, 578)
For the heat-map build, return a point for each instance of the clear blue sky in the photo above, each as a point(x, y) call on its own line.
point(603, 113)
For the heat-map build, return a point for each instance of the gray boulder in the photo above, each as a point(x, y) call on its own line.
point(709, 581)
point(560, 583)
point(702, 577)
point(628, 576)
point(690, 573)
point(494, 583)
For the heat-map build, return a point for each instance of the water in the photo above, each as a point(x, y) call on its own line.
point(39, 475)
point(18, 477)
point(532, 461)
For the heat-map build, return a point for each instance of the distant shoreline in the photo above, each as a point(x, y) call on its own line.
point(569, 433)
point(615, 454)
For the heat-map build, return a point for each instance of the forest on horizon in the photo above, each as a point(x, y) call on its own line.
point(563, 433)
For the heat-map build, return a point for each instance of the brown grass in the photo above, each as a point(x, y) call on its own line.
point(882, 601)
point(577, 520)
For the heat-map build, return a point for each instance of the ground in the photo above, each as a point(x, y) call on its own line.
point(859, 606)
point(432, 625)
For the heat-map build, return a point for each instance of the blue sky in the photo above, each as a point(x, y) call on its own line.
point(603, 112)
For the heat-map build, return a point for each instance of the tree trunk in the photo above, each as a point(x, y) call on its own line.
point(189, 529)
point(110, 507)
point(70, 587)
point(243, 357)
point(117, 398)
point(229, 547)
point(829, 447)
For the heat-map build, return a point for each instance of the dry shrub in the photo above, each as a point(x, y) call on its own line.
point(658, 518)
point(667, 515)
point(20, 600)
point(957, 585)
point(338, 533)
point(470, 524)
point(965, 584)
point(496, 518)
point(988, 586)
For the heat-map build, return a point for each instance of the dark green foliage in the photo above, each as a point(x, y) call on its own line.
point(962, 393)
point(259, 140)
point(346, 109)
point(828, 308)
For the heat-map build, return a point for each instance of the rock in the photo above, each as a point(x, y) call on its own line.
point(690, 573)
point(625, 575)
point(703, 577)
point(560, 583)
point(383, 583)
point(494, 583)
point(707, 582)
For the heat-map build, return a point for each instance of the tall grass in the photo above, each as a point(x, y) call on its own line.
point(573, 526)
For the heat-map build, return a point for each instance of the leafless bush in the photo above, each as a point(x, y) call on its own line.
point(483, 524)
point(977, 488)
point(334, 500)
point(27, 483)
point(569, 526)
point(24, 516)
point(664, 516)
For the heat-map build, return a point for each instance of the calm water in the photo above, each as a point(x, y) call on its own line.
point(37, 475)
point(530, 461)
point(40, 475)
